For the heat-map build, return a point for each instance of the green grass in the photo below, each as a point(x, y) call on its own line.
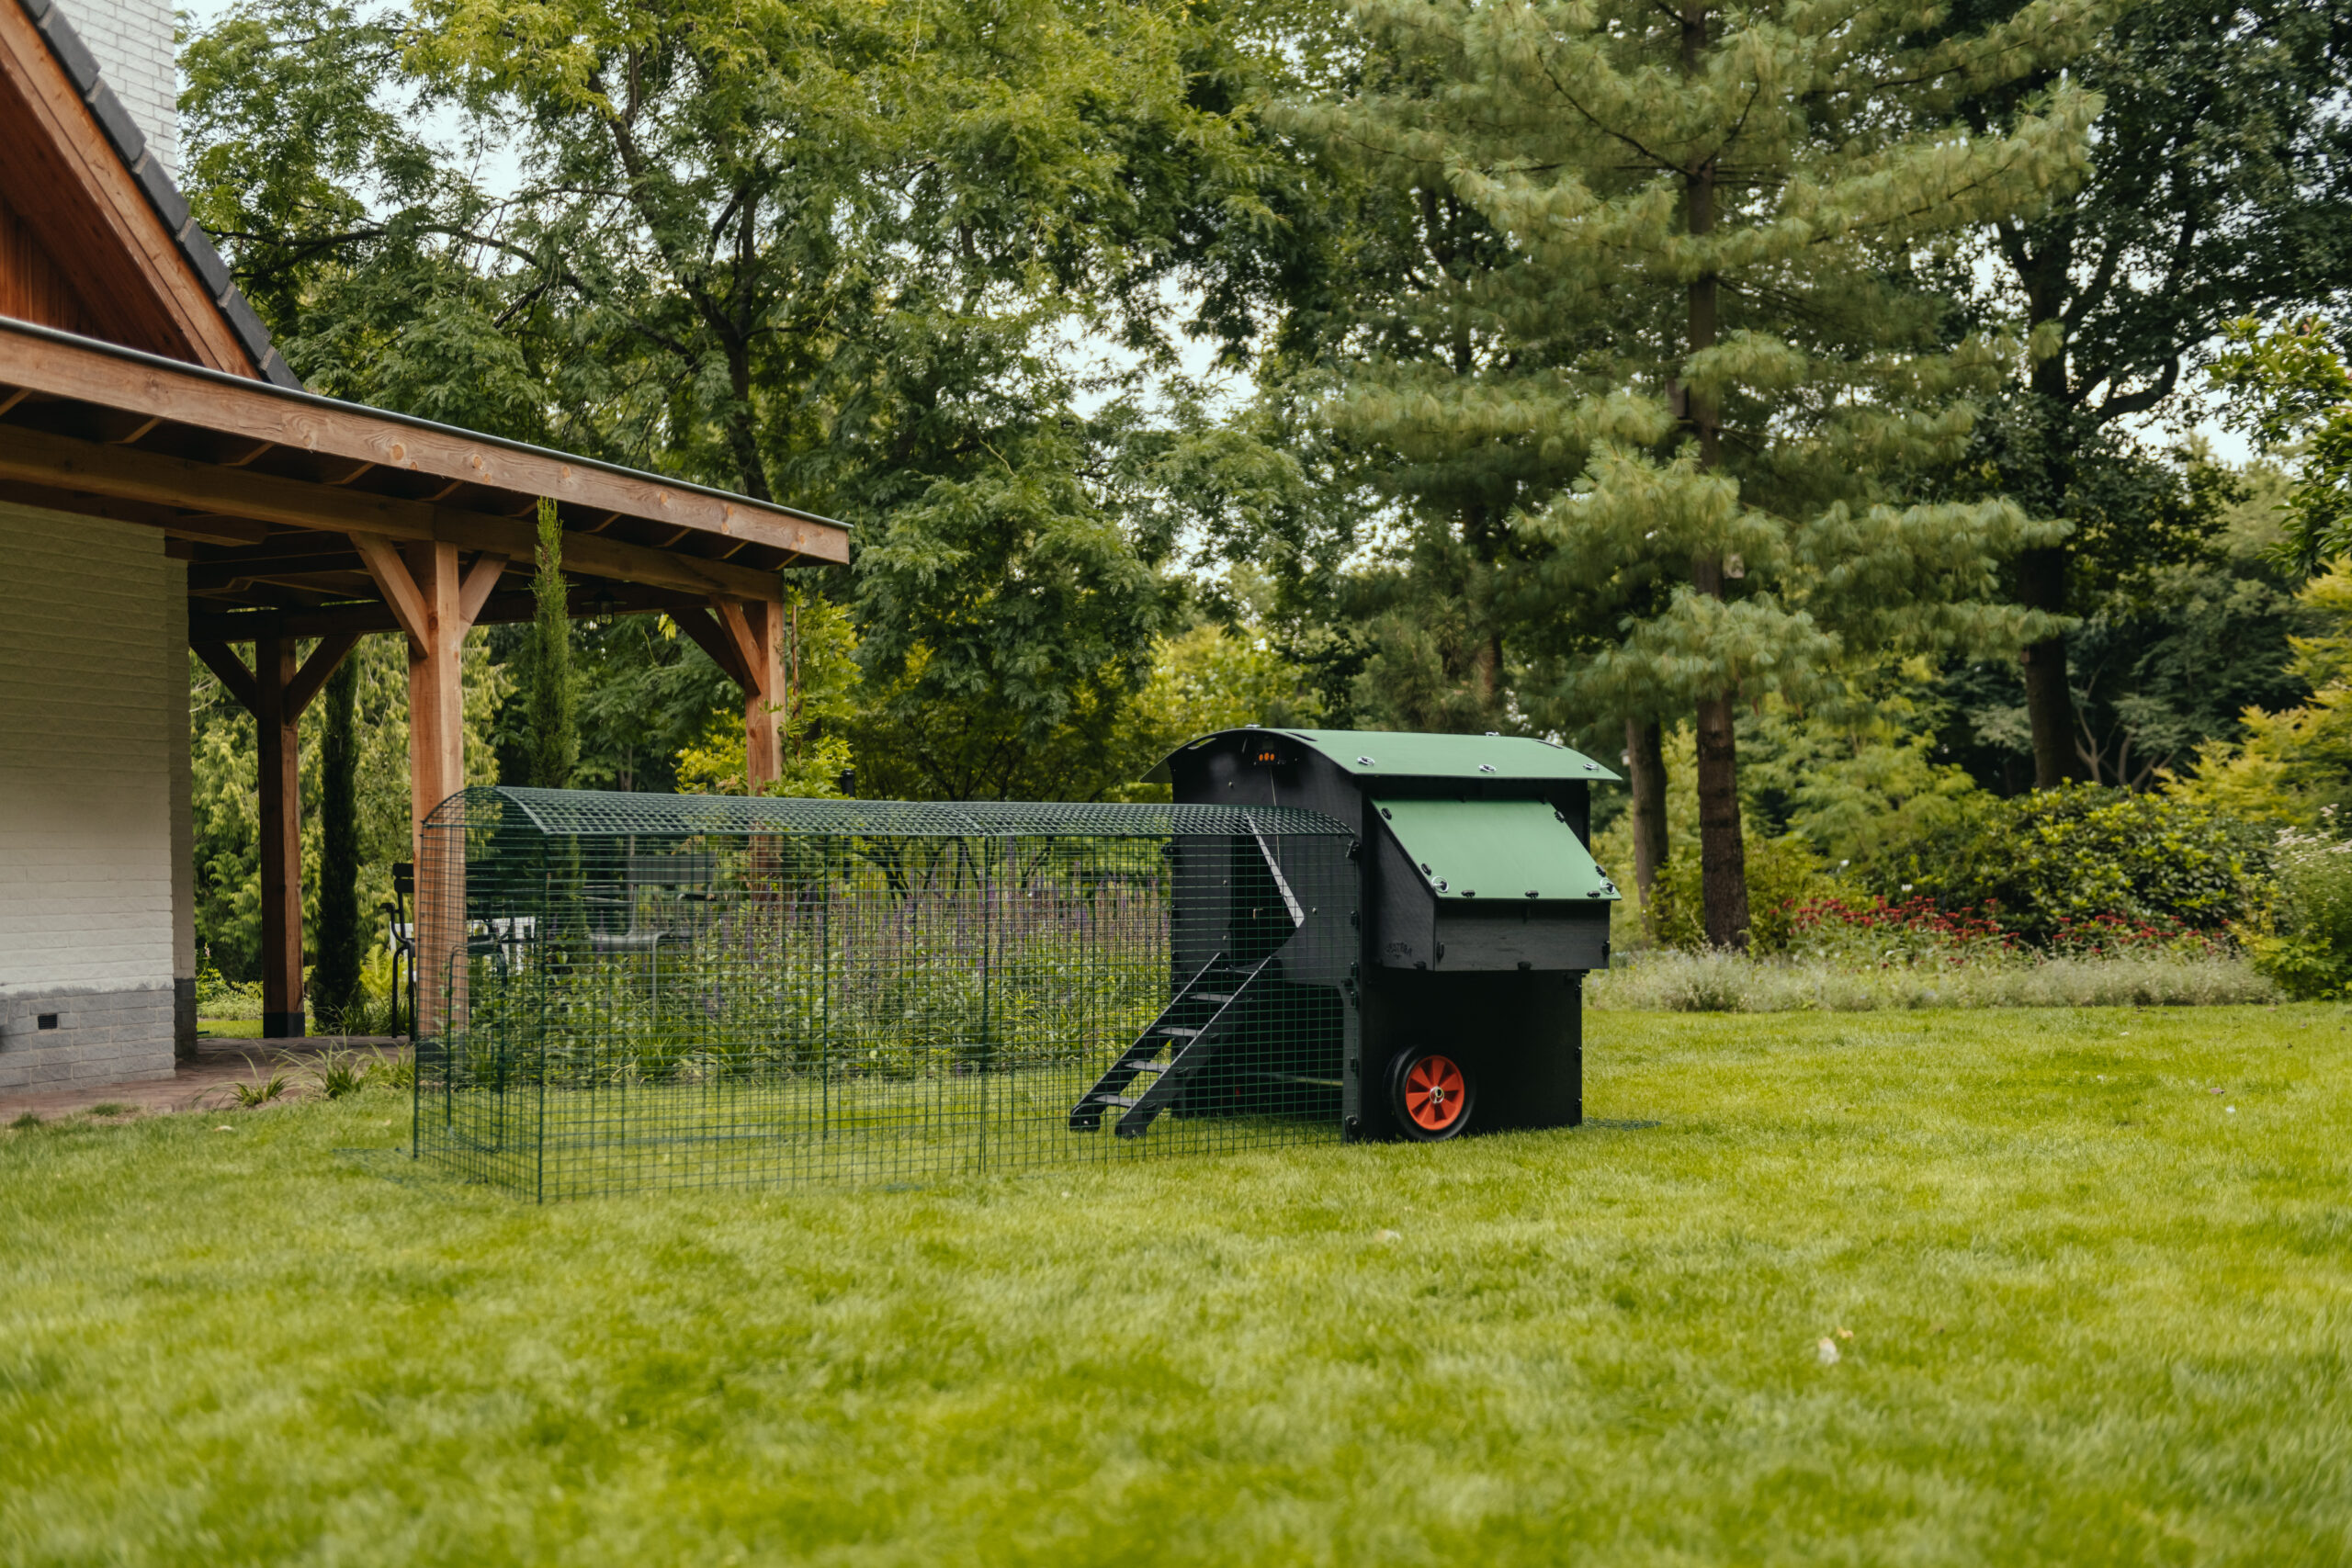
point(2097, 1315)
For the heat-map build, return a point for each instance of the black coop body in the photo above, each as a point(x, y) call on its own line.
point(1481, 910)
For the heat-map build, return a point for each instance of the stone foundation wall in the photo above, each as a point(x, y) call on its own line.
point(97, 1037)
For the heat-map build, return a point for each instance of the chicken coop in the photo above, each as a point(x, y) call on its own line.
point(1482, 913)
point(617, 992)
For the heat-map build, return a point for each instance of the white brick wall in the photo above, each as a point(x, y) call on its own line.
point(131, 40)
point(93, 737)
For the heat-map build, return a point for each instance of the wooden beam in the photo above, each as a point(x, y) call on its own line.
point(31, 458)
point(330, 429)
point(243, 624)
point(173, 522)
point(399, 589)
point(712, 639)
point(296, 553)
point(481, 579)
point(205, 530)
point(223, 660)
point(746, 640)
point(634, 563)
point(315, 671)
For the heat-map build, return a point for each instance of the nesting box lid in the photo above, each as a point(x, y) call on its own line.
point(1493, 850)
point(1369, 754)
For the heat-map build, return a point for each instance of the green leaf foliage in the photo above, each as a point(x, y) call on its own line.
point(2306, 946)
point(2295, 393)
point(550, 699)
point(2044, 861)
point(833, 254)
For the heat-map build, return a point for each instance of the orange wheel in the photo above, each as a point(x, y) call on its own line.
point(1430, 1095)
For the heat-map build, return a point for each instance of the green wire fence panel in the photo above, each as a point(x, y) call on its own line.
point(626, 991)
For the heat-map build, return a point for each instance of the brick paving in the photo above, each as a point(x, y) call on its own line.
point(203, 1084)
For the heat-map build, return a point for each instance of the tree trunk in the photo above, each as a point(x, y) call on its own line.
point(2049, 702)
point(1722, 848)
point(1646, 777)
point(1723, 852)
point(1722, 856)
point(2041, 574)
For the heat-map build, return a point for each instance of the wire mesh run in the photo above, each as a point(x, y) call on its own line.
point(619, 992)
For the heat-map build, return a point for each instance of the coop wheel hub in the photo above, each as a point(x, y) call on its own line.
point(1434, 1093)
point(1431, 1095)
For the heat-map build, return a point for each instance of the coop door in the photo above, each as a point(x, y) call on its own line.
point(1488, 884)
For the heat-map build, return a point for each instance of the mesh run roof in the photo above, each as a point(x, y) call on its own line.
point(580, 813)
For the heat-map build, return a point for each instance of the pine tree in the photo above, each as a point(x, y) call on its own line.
point(552, 703)
point(334, 976)
point(1719, 213)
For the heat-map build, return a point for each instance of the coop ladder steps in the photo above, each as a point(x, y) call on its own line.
point(1203, 1003)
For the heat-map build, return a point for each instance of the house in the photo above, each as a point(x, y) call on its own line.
point(166, 483)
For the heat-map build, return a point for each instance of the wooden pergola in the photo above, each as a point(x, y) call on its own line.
point(302, 518)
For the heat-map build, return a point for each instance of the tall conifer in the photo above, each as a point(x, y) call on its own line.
point(1718, 210)
point(550, 703)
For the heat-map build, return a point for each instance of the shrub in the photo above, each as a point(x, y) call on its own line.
point(1872, 932)
point(2305, 943)
point(2049, 862)
point(1783, 875)
point(219, 998)
point(1725, 982)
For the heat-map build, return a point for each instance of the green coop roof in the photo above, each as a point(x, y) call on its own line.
point(1489, 849)
point(588, 813)
point(1391, 753)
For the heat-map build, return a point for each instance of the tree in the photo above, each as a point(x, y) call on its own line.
point(551, 703)
point(1719, 214)
point(2294, 764)
point(831, 252)
point(336, 992)
point(2217, 189)
point(2298, 399)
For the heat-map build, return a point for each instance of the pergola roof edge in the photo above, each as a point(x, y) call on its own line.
point(43, 359)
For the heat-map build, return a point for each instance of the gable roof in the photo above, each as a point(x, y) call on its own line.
point(80, 177)
point(1405, 754)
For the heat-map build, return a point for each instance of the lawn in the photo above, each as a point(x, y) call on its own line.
point(2084, 1310)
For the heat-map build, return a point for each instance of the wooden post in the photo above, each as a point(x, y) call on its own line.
point(762, 747)
point(435, 605)
point(436, 769)
point(281, 840)
point(745, 637)
point(275, 690)
point(437, 722)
